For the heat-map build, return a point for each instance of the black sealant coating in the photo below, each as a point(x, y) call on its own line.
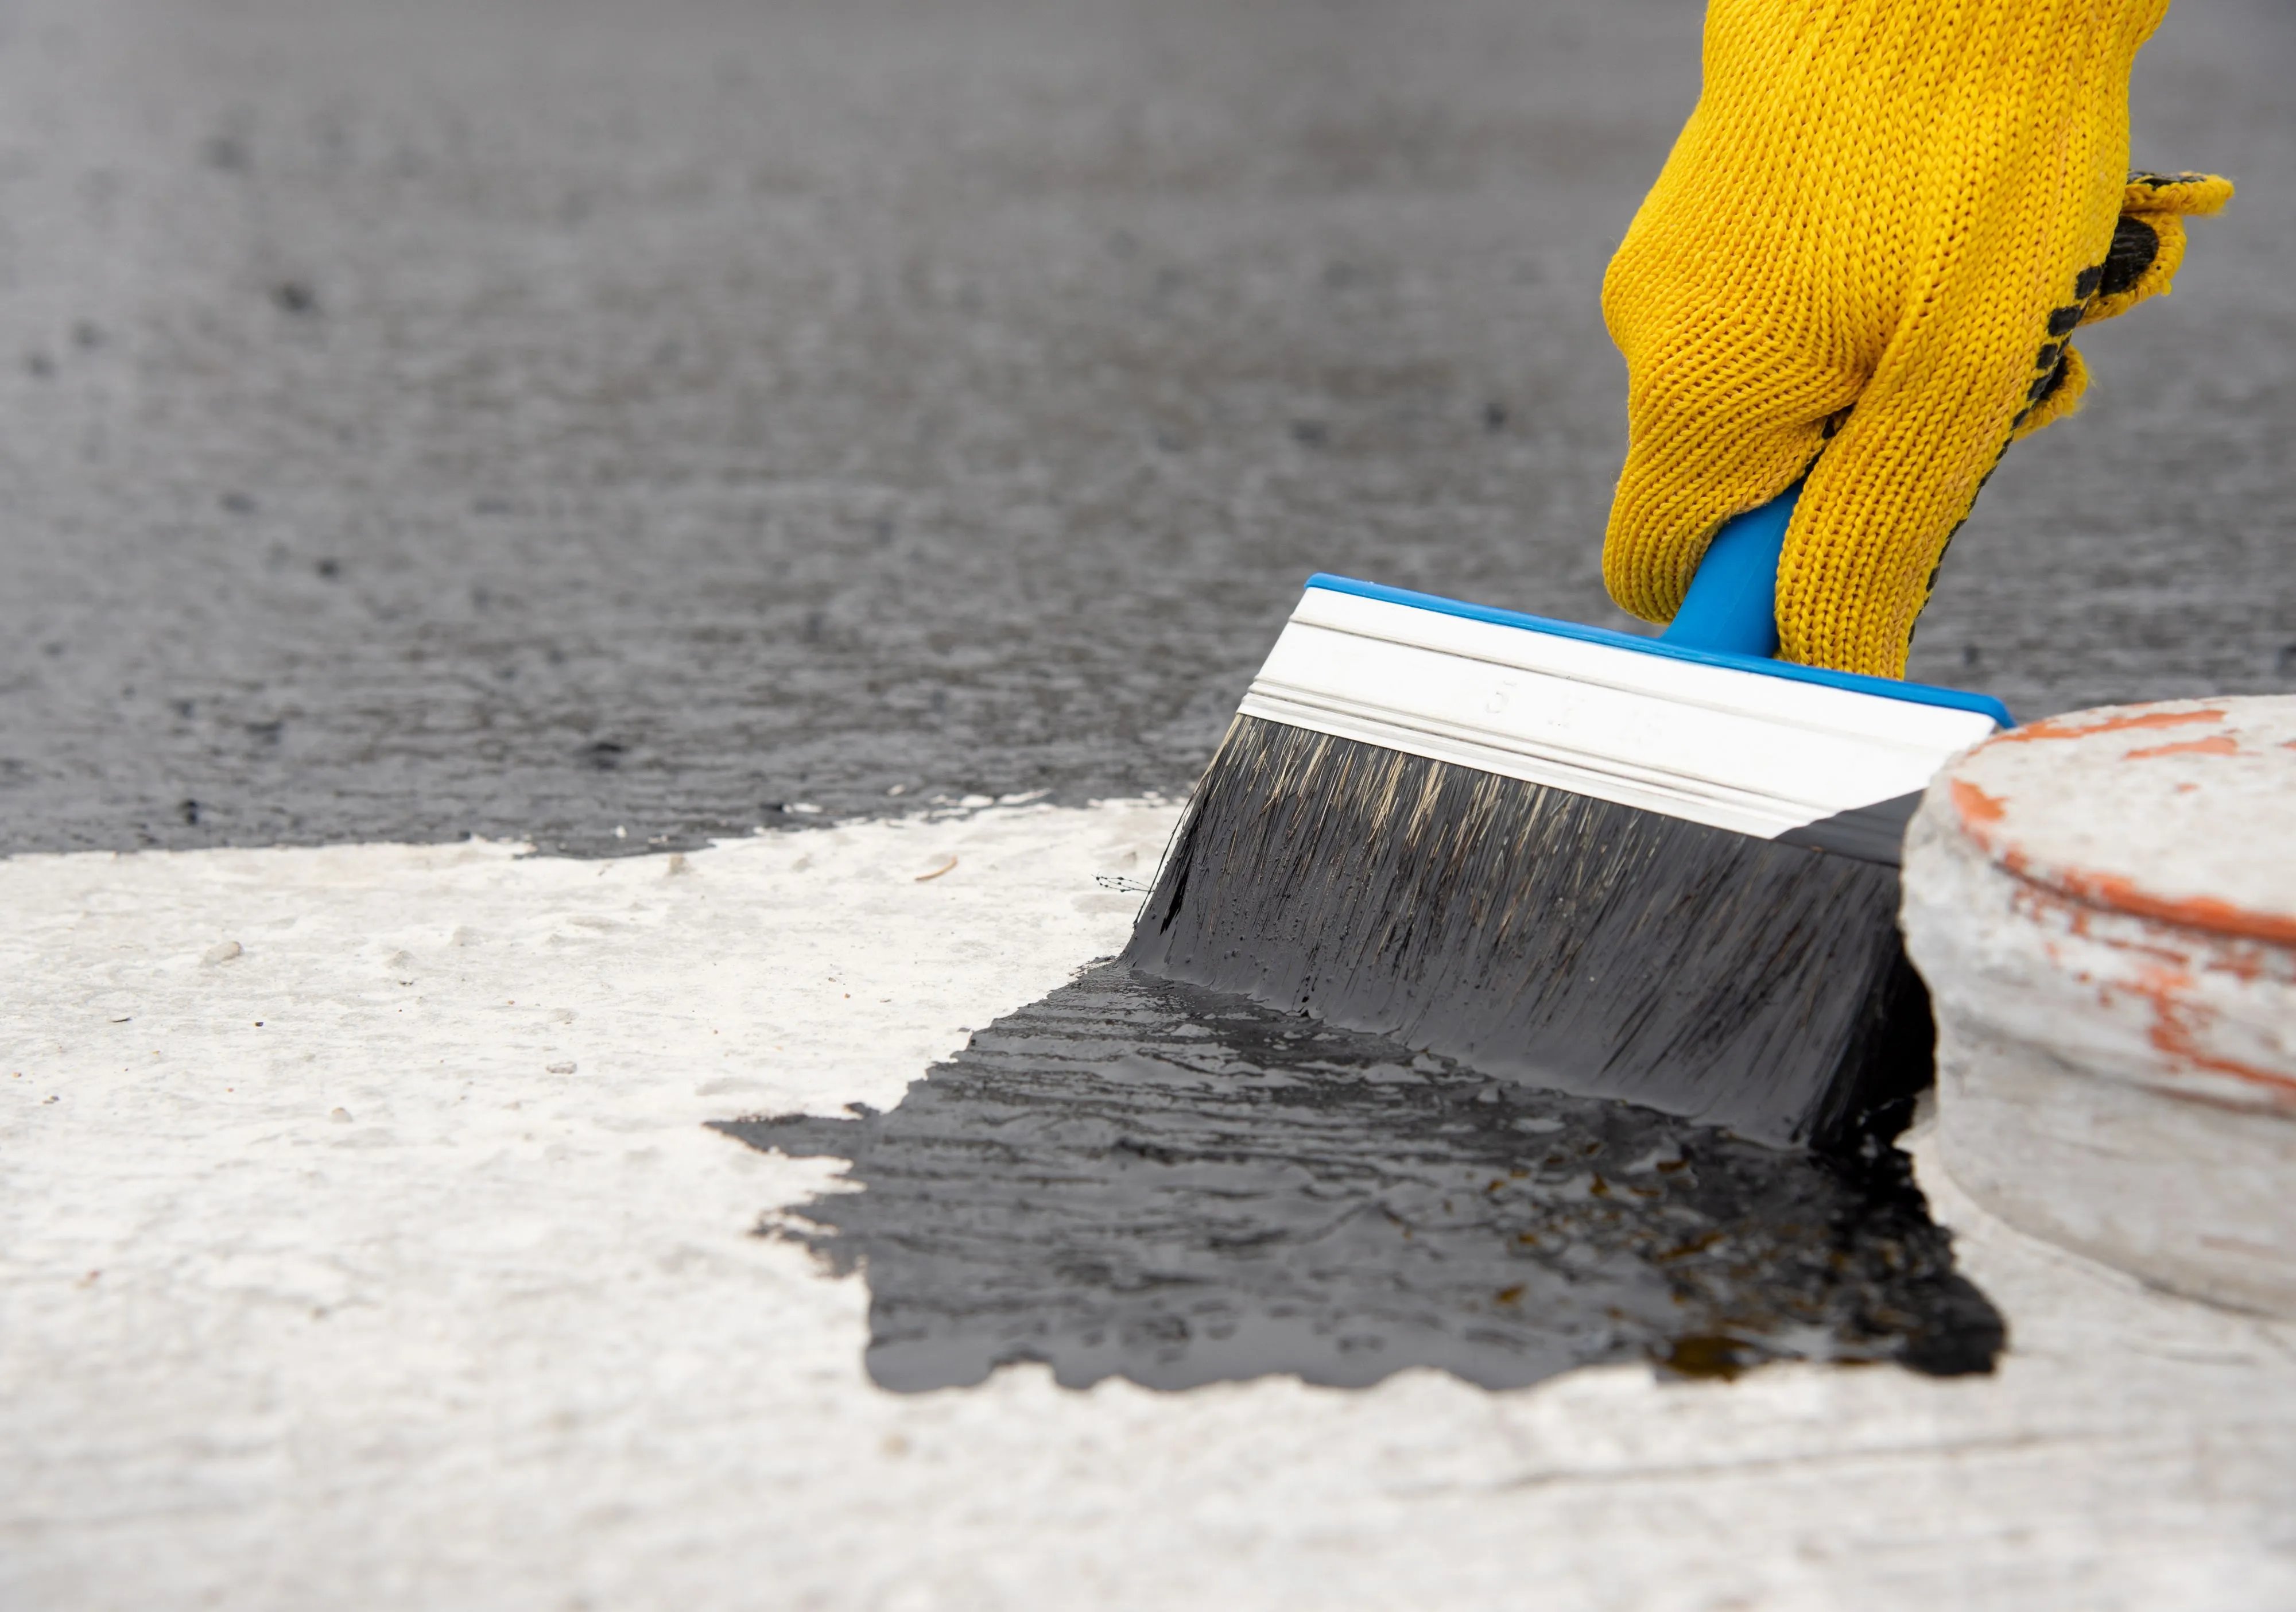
point(1545, 936)
point(1142, 1179)
point(538, 417)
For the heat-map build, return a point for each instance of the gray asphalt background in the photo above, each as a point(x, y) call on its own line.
point(534, 418)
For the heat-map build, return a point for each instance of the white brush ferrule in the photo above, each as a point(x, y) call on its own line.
point(1761, 752)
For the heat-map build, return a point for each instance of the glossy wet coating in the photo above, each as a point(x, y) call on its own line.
point(539, 417)
point(1141, 1179)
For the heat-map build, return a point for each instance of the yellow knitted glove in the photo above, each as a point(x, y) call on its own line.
point(1876, 233)
point(2148, 243)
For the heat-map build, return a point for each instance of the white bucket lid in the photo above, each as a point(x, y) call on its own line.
point(2183, 811)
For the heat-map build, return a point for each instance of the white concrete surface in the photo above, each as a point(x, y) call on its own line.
point(431, 1291)
point(2105, 907)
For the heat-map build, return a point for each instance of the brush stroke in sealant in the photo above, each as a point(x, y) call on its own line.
point(1142, 1179)
point(1545, 936)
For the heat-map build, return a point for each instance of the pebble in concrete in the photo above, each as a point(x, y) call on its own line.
point(2105, 907)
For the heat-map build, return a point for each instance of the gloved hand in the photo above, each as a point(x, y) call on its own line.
point(1874, 237)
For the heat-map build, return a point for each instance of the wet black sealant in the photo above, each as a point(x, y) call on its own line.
point(1144, 1179)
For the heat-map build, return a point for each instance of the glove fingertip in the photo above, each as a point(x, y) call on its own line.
point(2192, 195)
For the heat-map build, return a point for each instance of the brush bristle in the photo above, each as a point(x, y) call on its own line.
point(1543, 935)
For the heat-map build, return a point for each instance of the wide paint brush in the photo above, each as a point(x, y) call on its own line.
point(1660, 869)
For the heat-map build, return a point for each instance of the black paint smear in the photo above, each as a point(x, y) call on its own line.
point(1141, 1179)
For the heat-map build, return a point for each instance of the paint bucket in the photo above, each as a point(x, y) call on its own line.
point(2105, 907)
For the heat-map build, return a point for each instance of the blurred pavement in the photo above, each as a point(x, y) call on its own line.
point(539, 419)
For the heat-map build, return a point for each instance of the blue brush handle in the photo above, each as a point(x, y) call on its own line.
point(1733, 603)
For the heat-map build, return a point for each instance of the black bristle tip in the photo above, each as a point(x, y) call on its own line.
point(1545, 936)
